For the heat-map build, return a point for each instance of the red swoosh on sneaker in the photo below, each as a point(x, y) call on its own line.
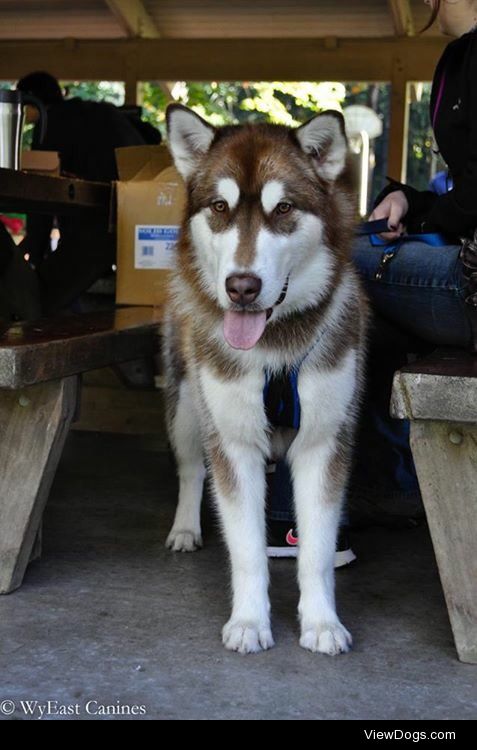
point(290, 539)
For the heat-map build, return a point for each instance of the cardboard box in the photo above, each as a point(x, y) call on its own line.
point(41, 162)
point(151, 198)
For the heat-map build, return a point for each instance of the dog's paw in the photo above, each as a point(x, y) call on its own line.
point(247, 637)
point(326, 638)
point(184, 541)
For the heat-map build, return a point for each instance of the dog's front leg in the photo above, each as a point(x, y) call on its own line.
point(236, 448)
point(320, 460)
point(241, 507)
point(318, 497)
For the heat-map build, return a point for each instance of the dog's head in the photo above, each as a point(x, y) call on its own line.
point(268, 209)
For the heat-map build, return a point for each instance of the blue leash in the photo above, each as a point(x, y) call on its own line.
point(374, 228)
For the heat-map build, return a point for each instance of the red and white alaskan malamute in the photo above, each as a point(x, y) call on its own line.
point(263, 286)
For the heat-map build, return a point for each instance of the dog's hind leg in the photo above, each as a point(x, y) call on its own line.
point(184, 433)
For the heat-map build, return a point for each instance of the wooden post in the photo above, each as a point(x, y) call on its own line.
point(398, 132)
point(34, 423)
point(130, 93)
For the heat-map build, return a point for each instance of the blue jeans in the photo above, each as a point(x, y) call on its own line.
point(417, 304)
point(421, 292)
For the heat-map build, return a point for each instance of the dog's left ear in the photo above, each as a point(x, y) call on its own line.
point(324, 139)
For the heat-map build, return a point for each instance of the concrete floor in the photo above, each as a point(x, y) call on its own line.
point(109, 616)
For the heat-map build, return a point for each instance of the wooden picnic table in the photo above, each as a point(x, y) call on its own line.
point(40, 367)
point(40, 364)
point(438, 395)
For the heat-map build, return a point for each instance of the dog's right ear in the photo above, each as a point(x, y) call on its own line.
point(189, 138)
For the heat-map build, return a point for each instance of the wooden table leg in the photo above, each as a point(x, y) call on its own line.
point(34, 423)
point(445, 454)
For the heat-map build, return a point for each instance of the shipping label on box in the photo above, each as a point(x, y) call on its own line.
point(155, 246)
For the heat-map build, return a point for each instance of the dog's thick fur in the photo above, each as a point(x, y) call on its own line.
point(275, 204)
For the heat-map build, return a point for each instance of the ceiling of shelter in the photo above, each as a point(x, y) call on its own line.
point(202, 19)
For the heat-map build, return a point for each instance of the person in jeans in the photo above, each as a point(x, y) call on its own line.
point(426, 296)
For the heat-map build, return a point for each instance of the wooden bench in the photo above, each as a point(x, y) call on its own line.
point(40, 364)
point(439, 396)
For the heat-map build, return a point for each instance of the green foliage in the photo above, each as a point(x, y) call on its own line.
point(226, 103)
point(96, 91)
point(292, 103)
point(154, 103)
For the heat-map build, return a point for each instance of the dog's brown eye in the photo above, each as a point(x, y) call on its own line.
point(219, 206)
point(284, 208)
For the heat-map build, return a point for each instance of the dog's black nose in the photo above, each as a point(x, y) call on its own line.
point(243, 289)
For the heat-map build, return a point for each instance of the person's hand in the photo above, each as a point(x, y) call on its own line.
point(393, 208)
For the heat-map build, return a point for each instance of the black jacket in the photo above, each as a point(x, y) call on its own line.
point(86, 134)
point(455, 130)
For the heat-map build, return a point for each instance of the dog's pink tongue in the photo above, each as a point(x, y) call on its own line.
point(242, 330)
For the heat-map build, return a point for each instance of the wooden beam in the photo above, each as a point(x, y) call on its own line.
point(134, 18)
point(403, 20)
point(222, 59)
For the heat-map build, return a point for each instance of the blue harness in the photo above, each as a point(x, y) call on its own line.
point(280, 393)
point(281, 399)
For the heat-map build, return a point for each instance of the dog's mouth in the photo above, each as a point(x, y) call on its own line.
point(243, 328)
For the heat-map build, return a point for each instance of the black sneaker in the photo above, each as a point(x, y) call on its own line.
point(283, 542)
